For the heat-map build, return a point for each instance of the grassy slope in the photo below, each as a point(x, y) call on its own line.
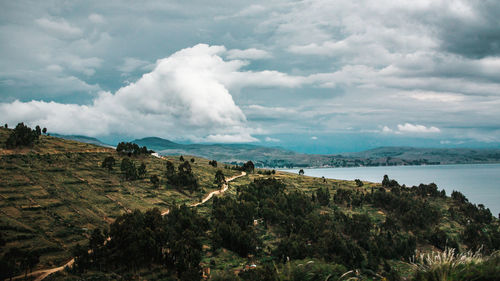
point(54, 194)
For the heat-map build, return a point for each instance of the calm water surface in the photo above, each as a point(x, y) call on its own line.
point(479, 182)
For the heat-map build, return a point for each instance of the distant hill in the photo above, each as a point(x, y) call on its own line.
point(279, 157)
point(83, 139)
point(401, 155)
point(221, 152)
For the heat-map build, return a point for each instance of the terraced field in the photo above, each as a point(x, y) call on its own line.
point(54, 194)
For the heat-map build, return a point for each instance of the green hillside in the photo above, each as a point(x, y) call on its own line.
point(54, 194)
point(267, 225)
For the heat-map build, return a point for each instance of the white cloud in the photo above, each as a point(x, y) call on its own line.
point(185, 96)
point(386, 129)
point(243, 137)
point(251, 53)
point(411, 128)
point(131, 64)
point(436, 96)
point(327, 48)
point(59, 27)
point(269, 139)
point(96, 18)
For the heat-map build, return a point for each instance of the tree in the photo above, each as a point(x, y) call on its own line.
point(170, 169)
point(192, 160)
point(38, 130)
point(108, 163)
point(33, 260)
point(219, 179)
point(323, 196)
point(44, 130)
point(142, 170)
point(155, 180)
point(6, 126)
point(130, 149)
point(22, 135)
point(213, 163)
point(248, 167)
point(181, 158)
point(359, 183)
point(301, 172)
point(128, 167)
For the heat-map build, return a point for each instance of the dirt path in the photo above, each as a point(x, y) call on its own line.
point(211, 194)
point(43, 273)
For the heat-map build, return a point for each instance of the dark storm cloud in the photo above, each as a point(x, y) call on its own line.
point(473, 37)
point(421, 68)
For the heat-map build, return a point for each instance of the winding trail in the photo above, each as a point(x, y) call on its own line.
point(43, 273)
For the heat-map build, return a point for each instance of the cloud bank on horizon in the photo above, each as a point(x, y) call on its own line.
point(301, 74)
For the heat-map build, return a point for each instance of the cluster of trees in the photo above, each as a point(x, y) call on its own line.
point(183, 178)
point(212, 163)
point(248, 167)
point(302, 230)
point(322, 196)
point(130, 149)
point(266, 172)
point(16, 261)
point(140, 240)
point(23, 135)
point(353, 241)
point(130, 171)
point(479, 231)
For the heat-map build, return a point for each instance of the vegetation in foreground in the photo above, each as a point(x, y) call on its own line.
point(268, 226)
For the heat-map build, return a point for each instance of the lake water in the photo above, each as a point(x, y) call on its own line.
point(479, 182)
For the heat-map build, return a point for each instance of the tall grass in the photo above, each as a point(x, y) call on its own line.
point(446, 265)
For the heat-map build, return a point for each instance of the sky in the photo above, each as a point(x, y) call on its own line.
point(313, 76)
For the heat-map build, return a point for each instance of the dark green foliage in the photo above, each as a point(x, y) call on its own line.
point(359, 183)
point(38, 130)
point(128, 168)
point(16, 261)
point(248, 167)
point(44, 130)
point(181, 158)
point(155, 180)
point(137, 240)
point(219, 178)
point(141, 171)
point(184, 178)
point(388, 183)
point(22, 135)
point(108, 163)
point(411, 212)
point(130, 149)
point(343, 196)
point(322, 195)
point(233, 226)
point(192, 160)
point(212, 163)
point(170, 169)
point(301, 172)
